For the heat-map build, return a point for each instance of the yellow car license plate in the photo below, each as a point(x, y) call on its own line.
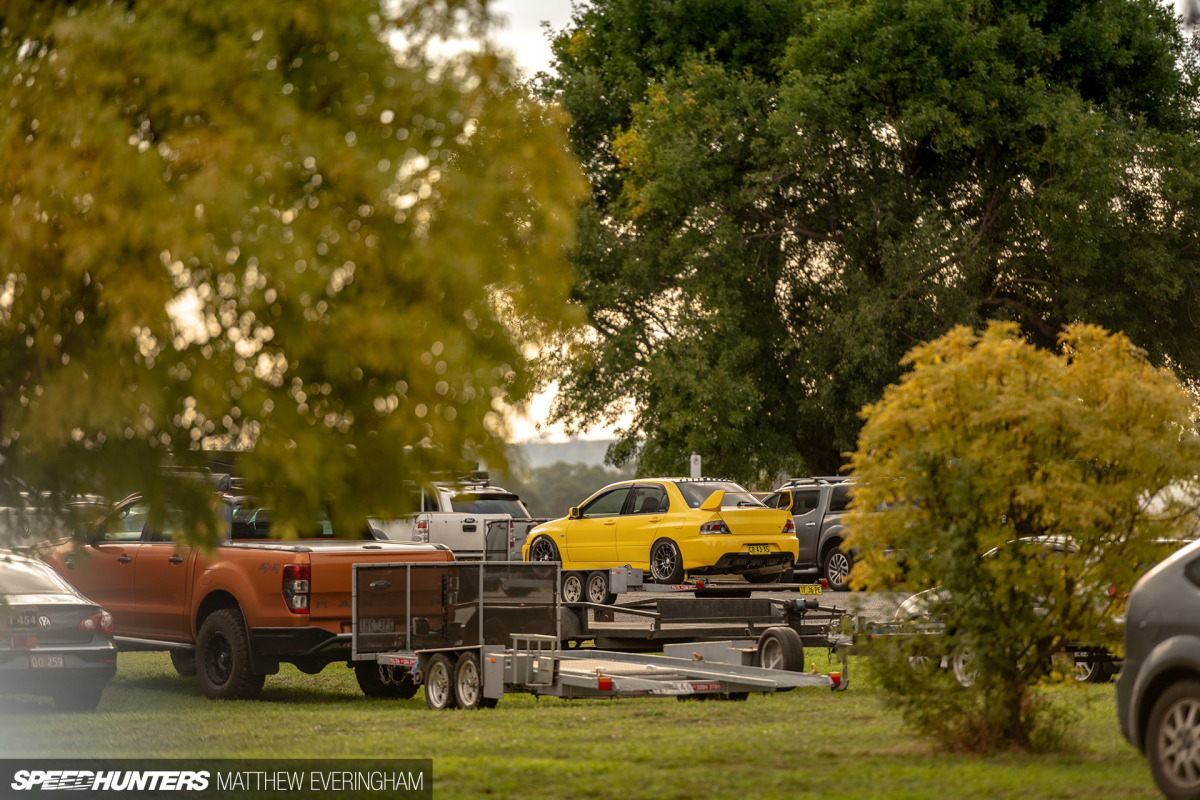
point(759, 549)
point(813, 589)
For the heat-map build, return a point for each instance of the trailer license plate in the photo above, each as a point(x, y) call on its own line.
point(45, 662)
point(377, 625)
point(759, 549)
point(807, 589)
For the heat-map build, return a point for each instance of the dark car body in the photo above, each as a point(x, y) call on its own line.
point(53, 640)
point(1158, 690)
point(818, 506)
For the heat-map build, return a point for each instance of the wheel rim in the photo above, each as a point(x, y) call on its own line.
point(964, 671)
point(543, 550)
point(839, 568)
point(597, 589)
point(772, 654)
point(572, 589)
point(468, 684)
point(1179, 743)
point(218, 659)
point(662, 564)
point(437, 684)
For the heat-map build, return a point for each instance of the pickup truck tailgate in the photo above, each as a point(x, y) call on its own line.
point(331, 586)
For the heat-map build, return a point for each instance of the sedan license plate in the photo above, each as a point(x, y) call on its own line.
point(45, 662)
point(26, 620)
point(377, 625)
point(759, 549)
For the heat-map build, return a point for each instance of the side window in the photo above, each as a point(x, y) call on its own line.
point(840, 497)
point(649, 500)
point(805, 501)
point(171, 528)
point(428, 501)
point(126, 524)
point(606, 505)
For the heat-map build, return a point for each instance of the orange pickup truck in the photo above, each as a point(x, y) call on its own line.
point(230, 616)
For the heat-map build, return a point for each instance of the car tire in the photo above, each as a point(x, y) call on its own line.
point(82, 697)
point(781, 648)
point(966, 672)
point(544, 549)
point(184, 662)
point(439, 684)
point(836, 568)
point(572, 587)
point(1174, 722)
point(223, 658)
point(373, 685)
point(596, 588)
point(666, 563)
point(468, 684)
point(1092, 671)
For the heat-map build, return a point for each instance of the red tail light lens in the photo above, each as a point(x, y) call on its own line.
point(716, 526)
point(421, 531)
point(789, 526)
point(297, 583)
point(102, 622)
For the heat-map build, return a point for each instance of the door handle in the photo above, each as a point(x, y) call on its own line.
point(123, 559)
point(176, 559)
point(611, 522)
point(810, 524)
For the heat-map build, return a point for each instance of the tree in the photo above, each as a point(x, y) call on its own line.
point(227, 225)
point(768, 236)
point(550, 491)
point(1045, 462)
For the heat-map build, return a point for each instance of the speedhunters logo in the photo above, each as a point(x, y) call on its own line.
point(121, 781)
point(217, 778)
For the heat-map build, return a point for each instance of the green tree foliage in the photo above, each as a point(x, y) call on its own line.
point(1046, 459)
point(773, 226)
point(231, 223)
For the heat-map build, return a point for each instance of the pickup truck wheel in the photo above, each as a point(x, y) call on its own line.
point(223, 658)
point(543, 549)
point(1170, 735)
point(597, 588)
point(666, 564)
point(184, 662)
point(837, 568)
point(572, 587)
point(781, 648)
point(439, 684)
point(468, 684)
point(371, 680)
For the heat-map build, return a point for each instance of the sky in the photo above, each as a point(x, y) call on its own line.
point(521, 31)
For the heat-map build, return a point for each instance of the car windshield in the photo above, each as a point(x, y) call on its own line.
point(28, 577)
point(696, 492)
point(489, 503)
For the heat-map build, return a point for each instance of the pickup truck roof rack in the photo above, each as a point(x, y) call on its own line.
point(820, 480)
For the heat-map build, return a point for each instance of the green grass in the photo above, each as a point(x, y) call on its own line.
point(805, 743)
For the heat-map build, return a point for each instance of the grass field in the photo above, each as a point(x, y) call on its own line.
point(805, 743)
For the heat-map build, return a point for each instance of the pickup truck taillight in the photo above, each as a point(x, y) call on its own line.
point(716, 526)
point(296, 587)
point(421, 531)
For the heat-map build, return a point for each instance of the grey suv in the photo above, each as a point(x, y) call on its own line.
point(1158, 690)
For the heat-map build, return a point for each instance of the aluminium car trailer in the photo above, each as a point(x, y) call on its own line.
point(471, 632)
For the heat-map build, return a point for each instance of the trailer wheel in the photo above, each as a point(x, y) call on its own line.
point(781, 648)
point(223, 658)
point(371, 680)
point(572, 587)
point(666, 564)
point(543, 549)
point(468, 684)
point(597, 588)
point(184, 662)
point(439, 684)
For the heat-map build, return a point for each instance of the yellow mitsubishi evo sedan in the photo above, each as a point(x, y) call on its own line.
point(669, 527)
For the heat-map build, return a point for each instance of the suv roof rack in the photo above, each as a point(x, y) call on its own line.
point(816, 480)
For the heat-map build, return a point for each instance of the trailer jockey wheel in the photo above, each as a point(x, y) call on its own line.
point(439, 683)
point(781, 648)
point(468, 684)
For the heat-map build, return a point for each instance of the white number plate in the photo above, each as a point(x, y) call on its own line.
point(377, 625)
point(45, 662)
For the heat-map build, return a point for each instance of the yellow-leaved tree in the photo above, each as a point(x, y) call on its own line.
point(1018, 487)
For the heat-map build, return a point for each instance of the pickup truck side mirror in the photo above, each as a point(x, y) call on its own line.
point(573, 513)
